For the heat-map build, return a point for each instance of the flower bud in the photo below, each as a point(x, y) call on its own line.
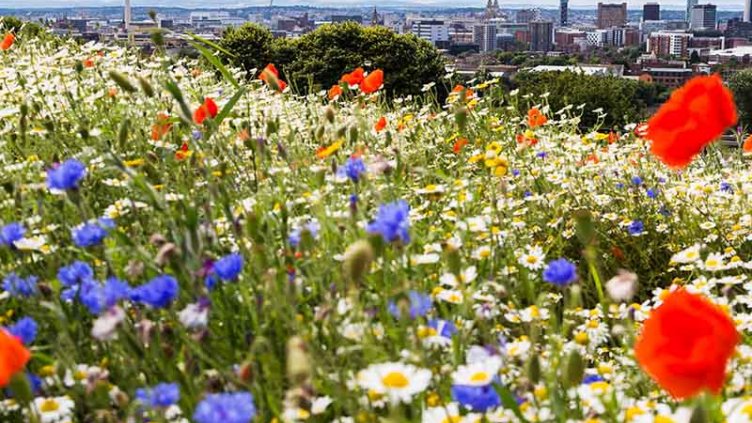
point(622, 287)
point(575, 369)
point(358, 258)
point(298, 362)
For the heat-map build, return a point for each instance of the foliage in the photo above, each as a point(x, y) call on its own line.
point(251, 45)
point(740, 84)
point(624, 101)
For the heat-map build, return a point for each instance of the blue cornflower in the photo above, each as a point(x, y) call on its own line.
point(541, 155)
point(590, 378)
point(726, 187)
point(353, 168)
point(619, 185)
point(20, 287)
point(228, 267)
point(477, 398)
point(226, 408)
point(560, 272)
point(25, 329)
point(442, 327)
point(420, 305)
point(312, 227)
point(100, 298)
point(636, 180)
point(527, 194)
point(515, 172)
point(161, 395)
point(636, 227)
point(66, 176)
point(392, 222)
point(92, 233)
point(651, 193)
point(158, 292)
point(11, 233)
point(72, 276)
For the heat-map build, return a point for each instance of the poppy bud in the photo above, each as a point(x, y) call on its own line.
point(534, 369)
point(353, 134)
point(622, 287)
point(146, 87)
point(575, 369)
point(329, 114)
point(319, 133)
point(358, 258)
point(165, 253)
point(341, 131)
point(122, 81)
point(298, 362)
point(460, 116)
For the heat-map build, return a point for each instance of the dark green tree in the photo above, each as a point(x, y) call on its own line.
point(740, 84)
point(625, 101)
point(250, 44)
point(318, 59)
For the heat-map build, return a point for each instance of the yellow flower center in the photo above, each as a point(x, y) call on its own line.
point(395, 380)
point(49, 406)
point(452, 419)
point(479, 377)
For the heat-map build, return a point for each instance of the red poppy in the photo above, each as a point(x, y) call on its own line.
point(693, 117)
point(747, 146)
point(161, 127)
point(685, 345)
point(270, 75)
point(353, 78)
point(207, 109)
point(380, 125)
point(335, 92)
point(13, 357)
point(613, 137)
point(536, 118)
point(459, 88)
point(457, 147)
point(372, 82)
point(641, 130)
point(7, 42)
point(526, 141)
point(183, 152)
point(88, 63)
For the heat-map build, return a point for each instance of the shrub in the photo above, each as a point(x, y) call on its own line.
point(251, 45)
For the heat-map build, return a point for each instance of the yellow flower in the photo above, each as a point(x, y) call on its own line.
point(325, 152)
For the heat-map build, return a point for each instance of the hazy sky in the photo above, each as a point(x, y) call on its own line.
point(723, 4)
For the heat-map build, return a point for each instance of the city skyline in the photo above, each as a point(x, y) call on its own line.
point(734, 5)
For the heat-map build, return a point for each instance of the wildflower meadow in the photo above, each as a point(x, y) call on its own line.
point(181, 241)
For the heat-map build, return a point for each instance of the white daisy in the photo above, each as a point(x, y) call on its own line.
point(397, 381)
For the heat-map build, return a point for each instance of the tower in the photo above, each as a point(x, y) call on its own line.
point(127, 15)
point(690, 5)
point(375, 17)
point(563, 12)
point(747, 11)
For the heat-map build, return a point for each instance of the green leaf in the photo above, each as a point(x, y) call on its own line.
point(214, 60)
point(173, 89)
point(211, 44)
point(508, 401)
point(228, 107)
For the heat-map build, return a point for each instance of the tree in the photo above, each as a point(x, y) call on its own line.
point(625, 101)
point(318, 59)
point(250, 44)
point(740, 84)
point(694, 57)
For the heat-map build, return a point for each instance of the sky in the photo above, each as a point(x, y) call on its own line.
point(673, 4)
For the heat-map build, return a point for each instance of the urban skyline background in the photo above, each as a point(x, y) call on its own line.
point(734, 5)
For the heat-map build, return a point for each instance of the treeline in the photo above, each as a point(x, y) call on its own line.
point(318, 59)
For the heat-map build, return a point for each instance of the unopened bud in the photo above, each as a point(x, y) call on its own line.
point(298, 362)
point(622, 287)
point(575, 369)
point(329, 114)
point(358, 258)
point(165, 253)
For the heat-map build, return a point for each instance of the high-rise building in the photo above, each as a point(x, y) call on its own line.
point(484, 35)
point(492, 9)
point(610, 15)
point(127, 14)
point(527, 15)
point(651, 12)
point(690, 5)
point(541, 35)
point(433, 30)
point(747, 10)
point(564, 12)
point(669, 43)
point(703, 17)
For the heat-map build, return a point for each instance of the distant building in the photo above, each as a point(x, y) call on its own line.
point(568, 40)
point(592, 70)
point(690, 5)
point(669, 43)
point(703, 17)
point(669, 77)
point(651, 12)
point(347, 18)
point(527, 15)
point(564, 12)
point(492, 9)
point(747, 17)
point(736, 28)
point(484, 35)
point(610, 15)
point(541, 36)
point(433, 30)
